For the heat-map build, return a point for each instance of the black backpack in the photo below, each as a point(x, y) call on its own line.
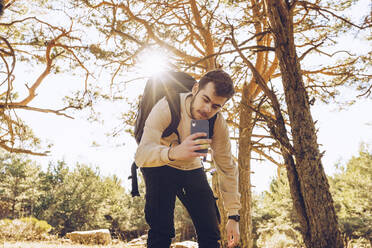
point(168, 85)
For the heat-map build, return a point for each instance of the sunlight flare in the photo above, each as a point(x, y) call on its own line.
point(152, 62)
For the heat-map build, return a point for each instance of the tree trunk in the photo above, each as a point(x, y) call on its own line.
point(245, 147)
point(245, 134)
point(309, 186)
point(223, 213)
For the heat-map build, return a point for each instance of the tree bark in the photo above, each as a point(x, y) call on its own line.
point(309, 186)
point(245, 147)
point(223, 214)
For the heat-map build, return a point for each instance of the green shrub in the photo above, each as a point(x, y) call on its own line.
point(28, 228)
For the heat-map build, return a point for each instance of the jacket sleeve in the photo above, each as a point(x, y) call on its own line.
point(150, 152)
point(227, 171)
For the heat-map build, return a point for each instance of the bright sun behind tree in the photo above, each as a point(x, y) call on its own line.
point(152, 62)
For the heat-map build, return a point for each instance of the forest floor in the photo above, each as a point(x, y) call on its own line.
point(57, 244)
point(63, 243)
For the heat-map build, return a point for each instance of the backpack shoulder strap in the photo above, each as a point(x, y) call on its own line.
point(133, 176)
point(211, 122)
point(174, 103)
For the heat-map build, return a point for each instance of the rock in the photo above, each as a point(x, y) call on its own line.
point(185, 244)
point(99, 237)
point(140, 241)
point(115, 241)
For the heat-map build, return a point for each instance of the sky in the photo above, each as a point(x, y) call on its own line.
point(340, 131)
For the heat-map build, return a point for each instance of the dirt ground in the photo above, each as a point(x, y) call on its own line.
point(58, 244)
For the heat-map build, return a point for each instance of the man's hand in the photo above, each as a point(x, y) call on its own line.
point(233, 234)
point(187, 149)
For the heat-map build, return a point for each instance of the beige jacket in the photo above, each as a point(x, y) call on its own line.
point(153, 149)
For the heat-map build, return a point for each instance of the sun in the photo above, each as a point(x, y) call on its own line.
point(152, 62)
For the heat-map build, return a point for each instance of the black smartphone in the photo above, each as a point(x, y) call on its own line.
point(200, 126)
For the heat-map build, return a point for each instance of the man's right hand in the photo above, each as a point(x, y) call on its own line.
point(187, 149)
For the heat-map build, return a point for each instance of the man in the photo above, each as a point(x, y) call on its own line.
point(171, 166)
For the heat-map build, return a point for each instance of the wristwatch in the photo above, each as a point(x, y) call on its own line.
point(234, 217)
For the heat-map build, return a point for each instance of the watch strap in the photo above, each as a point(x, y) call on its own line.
point(234, 217)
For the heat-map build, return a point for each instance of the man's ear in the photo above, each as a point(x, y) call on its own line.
point(195, 89)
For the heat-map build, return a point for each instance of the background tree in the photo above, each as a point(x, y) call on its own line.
point(276, 222)
point(350, 188)
point(32, 44)
point(312, 32)
point(309, 186)
point(51, 183)
point(78, 199)
point(341, 73)
point(125, 212)
point(19, 178)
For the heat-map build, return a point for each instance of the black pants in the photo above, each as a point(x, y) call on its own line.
point(163, 184)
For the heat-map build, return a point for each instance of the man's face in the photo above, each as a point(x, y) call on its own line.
point(205, 103)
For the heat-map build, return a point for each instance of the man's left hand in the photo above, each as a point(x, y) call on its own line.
point(233, 234)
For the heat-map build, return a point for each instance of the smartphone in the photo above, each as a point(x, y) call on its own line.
point(200, 126)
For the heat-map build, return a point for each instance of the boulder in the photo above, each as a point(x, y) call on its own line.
point(99, 237)
point(140, 241)
point(185, 244)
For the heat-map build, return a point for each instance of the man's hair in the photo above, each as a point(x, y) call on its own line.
point(223, 83)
